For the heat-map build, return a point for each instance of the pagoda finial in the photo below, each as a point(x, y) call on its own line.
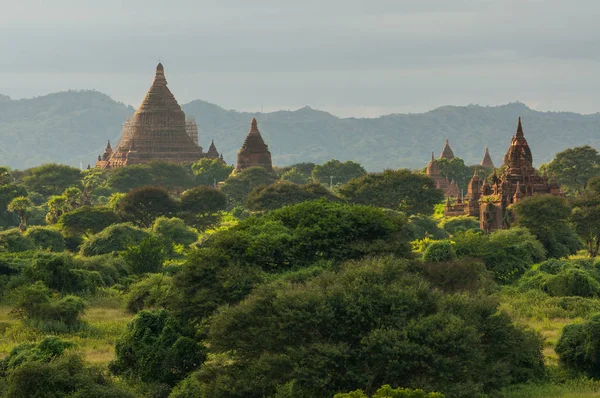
point(254, 124)
point(160, 69)
point(520, 129)
point(432, 157)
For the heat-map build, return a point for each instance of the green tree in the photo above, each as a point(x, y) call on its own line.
point(124, 179)
point(201, 206)
point(400, 190)
point(578, 347)
point(157, 348)
point(171, 176)
point(174, 230)
point(585, 217)
point(153, 291)
point(46, 238)
point(547, 217)
point(13, 241)
point(574, 167)
point(8, 192)
point(336, 171)
point(238, 187)
point(284, 193)
point(21, 206)
point(300, 173)
point(57, 206)
point(147, 256)
point(142, 206)
point(455, 169)
point(439, 252)
point(388, 392)
point(370, 324)
point(211, 171)
point(87, 220)
point(51, 179)
point(114, 238)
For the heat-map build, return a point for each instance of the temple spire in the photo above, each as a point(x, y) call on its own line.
point(520, 129)
point(447, 152)
point(487, 160)
point(254, 126)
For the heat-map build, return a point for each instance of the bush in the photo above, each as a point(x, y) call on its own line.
point(34, 303)
point(147, 256)
point(439, 251)
point(507, 253)
point(422, 227)
point(47, 369)
point(453, 225)
point(174, 230)
point(283, 193)
point(87, 220)
point(154, 291)
point(13, 241)
point(579, 346)
point(157, 348)
point(46, 238)
point(563, 278)
point(59, 272)
point(115, 238)
point(389, 392)
point(463, 275)
point(372, 323)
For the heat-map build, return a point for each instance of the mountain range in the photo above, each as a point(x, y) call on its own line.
point(72, 127)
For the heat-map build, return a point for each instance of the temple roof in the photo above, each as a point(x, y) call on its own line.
point(254, 141)
point(487, 160)
point(212, 150)
point(159, 97)
point(519, 157)
point(447, 152)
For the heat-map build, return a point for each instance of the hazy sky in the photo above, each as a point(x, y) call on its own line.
point(349, 57)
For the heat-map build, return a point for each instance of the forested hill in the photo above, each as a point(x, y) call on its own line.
point(72, 127)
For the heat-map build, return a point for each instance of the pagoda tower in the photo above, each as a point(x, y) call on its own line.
point(254, 151)
point(212, 151)
point(157, 132)
point(447, 152)
point(487, 160)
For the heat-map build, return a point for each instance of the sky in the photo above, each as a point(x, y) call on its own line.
point(348, 57)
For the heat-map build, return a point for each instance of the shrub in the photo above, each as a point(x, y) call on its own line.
point(579, 346)
point(154, 291)
point(47, 369)
point(439, 251)
point(156, 348)
point(563, 278)
point(115, 238)
point(143, 205)
point(388, 392)
point(34, 303)
point(147, 256)
point(174, 230)
point(372, 323)
point(46, 238)
point(422, 227)
point(460, 275)
point(13, 241)
point(453, 225)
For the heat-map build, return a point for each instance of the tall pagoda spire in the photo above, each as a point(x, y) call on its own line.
point(487, 160)
point(447, 152)
point(520, 129)
point(212, 151)
point(254, 151)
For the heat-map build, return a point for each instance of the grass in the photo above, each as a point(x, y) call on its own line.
point(96, 341)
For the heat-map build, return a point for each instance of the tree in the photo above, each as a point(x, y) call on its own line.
point(57, 206)
point(156, 348)
point(51, 179)
point(371, 323)
point(201, 206)
point(455, 169)
point(338, 172)
point(547, 216)
point(211, 171)
point(46, 238)
point(8, 192)
point(87, 220)
point(238, 186)
point(388, 392)
point(284, 193)
point(124, 179)
point(142, 206)
point(574, 167)
point(300, 173)
point(578, 347)
point(586, 219)
point(171, 176)
point(21, 206)
point(400, 190)
point(174, 231)
point(114, 238)
point(145, 257)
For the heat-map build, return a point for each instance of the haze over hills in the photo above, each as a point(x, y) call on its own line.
point(72, 128)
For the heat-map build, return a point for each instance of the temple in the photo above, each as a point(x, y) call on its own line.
point(158, 131)
point(491, 199)
point(486, 162)
point(447, 152)
point(254, 151)
point(450, 188)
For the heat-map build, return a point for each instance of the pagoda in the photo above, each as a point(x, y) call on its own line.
point(486, 162)
point(254, 151)
point(158, 131)
point(447, 152)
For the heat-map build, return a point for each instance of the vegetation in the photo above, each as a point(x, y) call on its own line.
point(269, 285)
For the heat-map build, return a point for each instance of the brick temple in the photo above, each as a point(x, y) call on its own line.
point(158, 131)
point(254, 151)
point(490, 199)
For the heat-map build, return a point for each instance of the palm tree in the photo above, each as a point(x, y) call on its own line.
point(21, 205)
